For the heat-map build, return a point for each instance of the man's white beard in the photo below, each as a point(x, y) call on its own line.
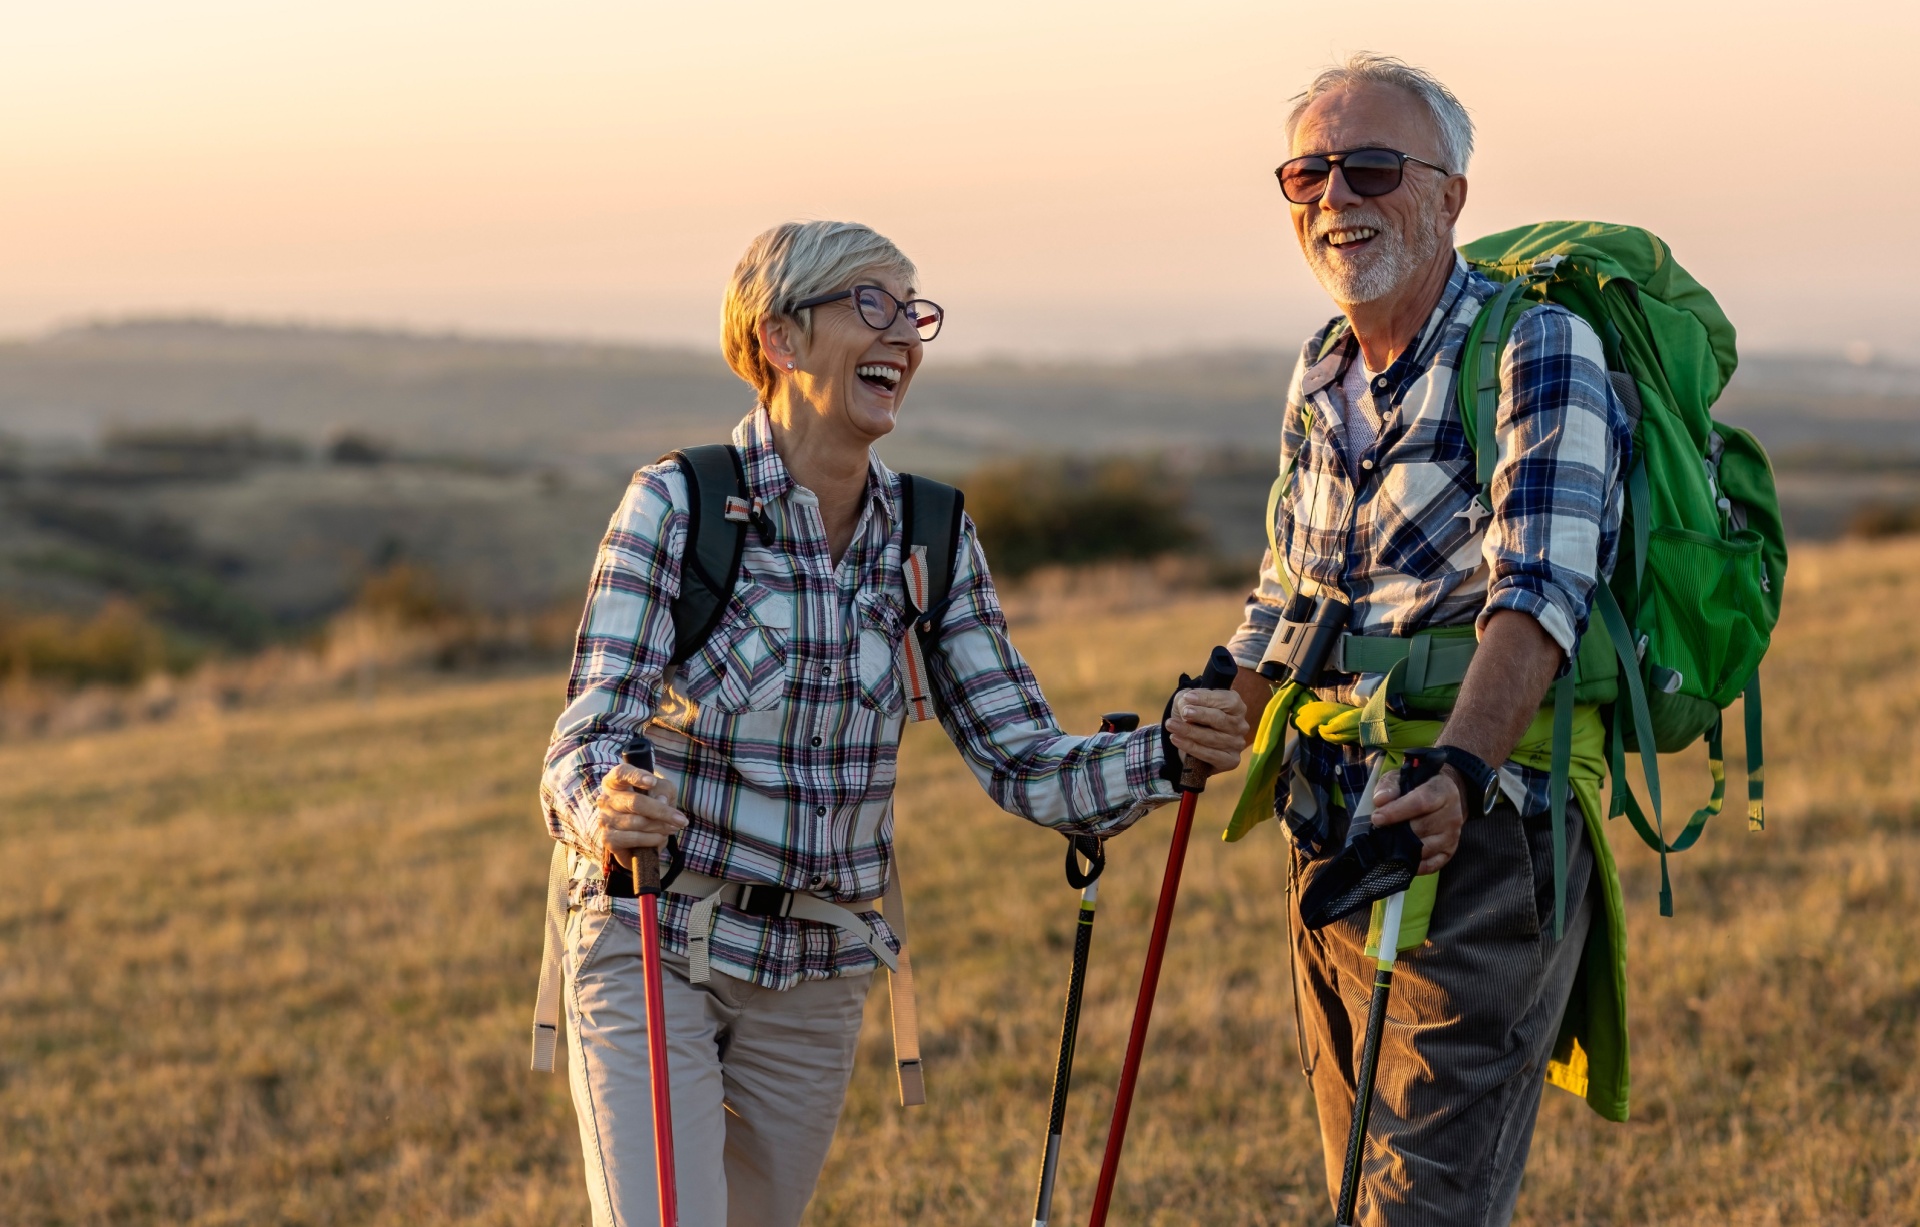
point(1383, 266)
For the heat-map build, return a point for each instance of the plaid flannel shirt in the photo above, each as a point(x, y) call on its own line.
point(1407, 542)
point(780, 734)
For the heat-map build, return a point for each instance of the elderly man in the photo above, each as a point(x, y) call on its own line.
point(1376, 510)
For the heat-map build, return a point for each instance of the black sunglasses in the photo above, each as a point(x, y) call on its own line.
point(878, 309)
point(1369, 172)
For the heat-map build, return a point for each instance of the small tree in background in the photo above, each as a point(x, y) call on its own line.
point(1033, 513)
point(118, 644)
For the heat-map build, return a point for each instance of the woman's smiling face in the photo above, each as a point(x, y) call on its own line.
point(853, 372)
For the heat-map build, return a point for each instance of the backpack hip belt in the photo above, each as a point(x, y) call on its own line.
point(760, 899)
point(1422, 674)
point(709, 893)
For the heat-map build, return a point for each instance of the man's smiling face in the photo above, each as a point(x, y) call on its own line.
point(1363, 248)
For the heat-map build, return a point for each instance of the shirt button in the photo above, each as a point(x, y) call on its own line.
point(1366, 464)
point(819, 811)
point(817, 881)
point(1380, 382)
point(816, 741)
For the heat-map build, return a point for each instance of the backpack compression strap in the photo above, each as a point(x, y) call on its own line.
point(718, 512)
point(929, 552)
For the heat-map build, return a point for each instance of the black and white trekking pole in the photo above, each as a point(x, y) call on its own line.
point(1219, 675)
point(1415, 773)
point(1087, 882)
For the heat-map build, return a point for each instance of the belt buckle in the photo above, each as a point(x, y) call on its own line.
point(777, 909)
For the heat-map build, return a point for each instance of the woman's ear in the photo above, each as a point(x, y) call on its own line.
point(778, 337)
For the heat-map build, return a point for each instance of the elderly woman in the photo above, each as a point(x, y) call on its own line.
point(776, 746)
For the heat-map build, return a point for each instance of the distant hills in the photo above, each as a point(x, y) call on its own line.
point(240, 481)
point(607, 406)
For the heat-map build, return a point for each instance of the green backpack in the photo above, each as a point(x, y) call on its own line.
point(1703, 558)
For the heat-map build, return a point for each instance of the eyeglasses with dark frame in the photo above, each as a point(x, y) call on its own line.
point(1373, 171)
point(878, 309)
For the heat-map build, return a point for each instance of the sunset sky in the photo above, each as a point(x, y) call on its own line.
point(1071, 177)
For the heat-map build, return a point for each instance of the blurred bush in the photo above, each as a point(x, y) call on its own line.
point(408, 594)
point(1037, 512)
point(118, 644)
point(352, 447)
point(1876, 520)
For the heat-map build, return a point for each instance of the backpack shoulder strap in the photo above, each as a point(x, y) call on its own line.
point(1478, 379)
point(931, 510)
point(929, 552)
point(716, 537)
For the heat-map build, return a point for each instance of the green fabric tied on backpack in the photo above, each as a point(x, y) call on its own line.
point(1590, 1058)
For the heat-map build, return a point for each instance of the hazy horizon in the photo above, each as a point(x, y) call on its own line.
point(1854, 354)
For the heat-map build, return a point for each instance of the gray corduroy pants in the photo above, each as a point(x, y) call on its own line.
point(1470, 1026)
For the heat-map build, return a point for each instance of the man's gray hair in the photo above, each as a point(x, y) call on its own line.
point(790, 263)
point(1366, 68)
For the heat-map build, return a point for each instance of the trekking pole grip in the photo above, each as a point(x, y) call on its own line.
point(646, 861)
point(1218, 675)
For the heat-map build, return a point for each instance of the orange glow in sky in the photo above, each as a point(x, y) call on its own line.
point(1071, 177)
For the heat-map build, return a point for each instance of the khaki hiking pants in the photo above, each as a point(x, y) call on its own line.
point(759, 1077)
point(1471, 1023)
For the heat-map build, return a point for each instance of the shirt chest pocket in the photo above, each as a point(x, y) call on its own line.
point(882, 624)
point(1426, 520)
point(743, 664)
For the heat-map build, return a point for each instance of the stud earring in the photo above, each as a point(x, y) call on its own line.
point(789, 366)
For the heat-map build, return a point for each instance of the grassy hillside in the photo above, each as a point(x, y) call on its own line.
point(277, 966)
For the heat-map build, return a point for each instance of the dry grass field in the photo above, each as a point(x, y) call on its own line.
point(276, 966)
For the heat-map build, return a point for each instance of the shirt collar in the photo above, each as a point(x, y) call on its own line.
point(1415, 358)
point(767, 475)
point(1422, 350)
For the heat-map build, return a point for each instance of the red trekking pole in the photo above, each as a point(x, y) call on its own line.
point(646, 892)
point(1193, 781)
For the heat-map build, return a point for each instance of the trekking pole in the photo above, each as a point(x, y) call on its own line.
point(1219, 675)
point(1087, 882)
point(1416, 773)
point(646, 892)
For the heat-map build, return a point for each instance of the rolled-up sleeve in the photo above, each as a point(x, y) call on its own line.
point(1556, 488)
point(622, 650)
point(991, 706)
point(1261, 615)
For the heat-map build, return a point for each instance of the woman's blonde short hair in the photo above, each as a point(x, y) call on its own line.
point(789, 263)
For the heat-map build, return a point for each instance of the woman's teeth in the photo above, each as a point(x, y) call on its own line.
point(885, 376)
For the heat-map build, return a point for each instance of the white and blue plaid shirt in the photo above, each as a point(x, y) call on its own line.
point(1398, 530)
point(780, 734)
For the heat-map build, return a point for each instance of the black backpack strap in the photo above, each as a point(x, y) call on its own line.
point(931, 511)
point(715, 542)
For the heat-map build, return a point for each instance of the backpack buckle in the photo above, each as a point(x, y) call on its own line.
point(1546, 266)
point(768, 902)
